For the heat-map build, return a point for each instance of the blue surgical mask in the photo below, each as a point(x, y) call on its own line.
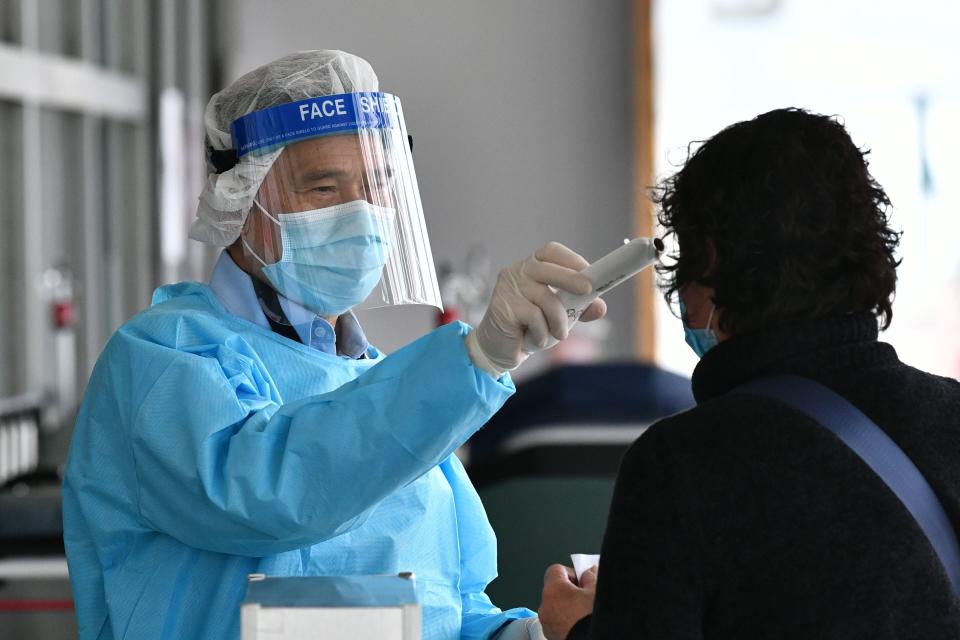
point(333, 257)
point(700, 340)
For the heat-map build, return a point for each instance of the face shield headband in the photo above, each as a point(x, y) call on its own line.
point(263, 131)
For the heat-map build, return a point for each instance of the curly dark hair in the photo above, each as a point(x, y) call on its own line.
point(780, 216)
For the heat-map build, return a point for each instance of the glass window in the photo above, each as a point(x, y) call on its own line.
point(10, 21)
point(60, 26)
point(121, 26)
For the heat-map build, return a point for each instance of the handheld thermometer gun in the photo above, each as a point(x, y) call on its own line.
point(616, 267)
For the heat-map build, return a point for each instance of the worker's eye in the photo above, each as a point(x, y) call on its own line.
point(381, 183)
point(324, 189)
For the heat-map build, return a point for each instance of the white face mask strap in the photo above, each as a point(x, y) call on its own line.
point(243, 238)
point(265, 212)
point(250, 250)
point(713, 308)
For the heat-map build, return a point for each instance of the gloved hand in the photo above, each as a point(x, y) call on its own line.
point(522, 629)
point(523, 303)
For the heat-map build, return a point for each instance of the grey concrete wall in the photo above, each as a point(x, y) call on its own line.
point(520, 110)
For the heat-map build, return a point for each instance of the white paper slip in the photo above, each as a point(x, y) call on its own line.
point(583, 561)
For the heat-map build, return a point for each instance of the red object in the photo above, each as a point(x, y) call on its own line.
point(64, 314)
point(36, 605)
point(448, 315)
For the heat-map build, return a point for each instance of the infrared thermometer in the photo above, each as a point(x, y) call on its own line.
point(616, 267)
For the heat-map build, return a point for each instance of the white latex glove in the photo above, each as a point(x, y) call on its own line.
point(523, 629)
point(523, 303)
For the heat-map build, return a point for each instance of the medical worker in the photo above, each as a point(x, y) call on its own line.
point(247, 426)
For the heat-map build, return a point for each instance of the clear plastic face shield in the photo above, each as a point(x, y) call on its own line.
point(337, 222)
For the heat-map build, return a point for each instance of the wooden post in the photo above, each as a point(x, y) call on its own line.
point(643, 173)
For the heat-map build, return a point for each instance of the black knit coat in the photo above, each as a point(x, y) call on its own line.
point(744, 519)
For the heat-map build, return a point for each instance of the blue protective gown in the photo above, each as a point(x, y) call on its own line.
point(208, 448)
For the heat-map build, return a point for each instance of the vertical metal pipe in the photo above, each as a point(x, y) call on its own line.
point(199, 50)
point(90, 271)
point(144, 136)
point(35, 326)
point(170, 228)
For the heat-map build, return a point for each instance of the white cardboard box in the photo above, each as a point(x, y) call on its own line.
point(330, 608)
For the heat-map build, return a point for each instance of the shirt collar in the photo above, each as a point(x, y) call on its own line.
point(233, 288)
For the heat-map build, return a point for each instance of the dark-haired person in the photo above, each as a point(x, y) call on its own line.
point(743, 518)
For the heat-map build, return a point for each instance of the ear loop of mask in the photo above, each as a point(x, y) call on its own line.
point(267, 237)
point(685, 319)
point(265, 212)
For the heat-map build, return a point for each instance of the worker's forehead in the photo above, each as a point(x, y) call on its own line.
point(330, 156)
point(345, 147)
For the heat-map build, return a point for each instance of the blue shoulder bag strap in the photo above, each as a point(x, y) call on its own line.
point(876, 449)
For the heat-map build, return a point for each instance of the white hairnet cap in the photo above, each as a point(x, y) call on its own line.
point(228, 196)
